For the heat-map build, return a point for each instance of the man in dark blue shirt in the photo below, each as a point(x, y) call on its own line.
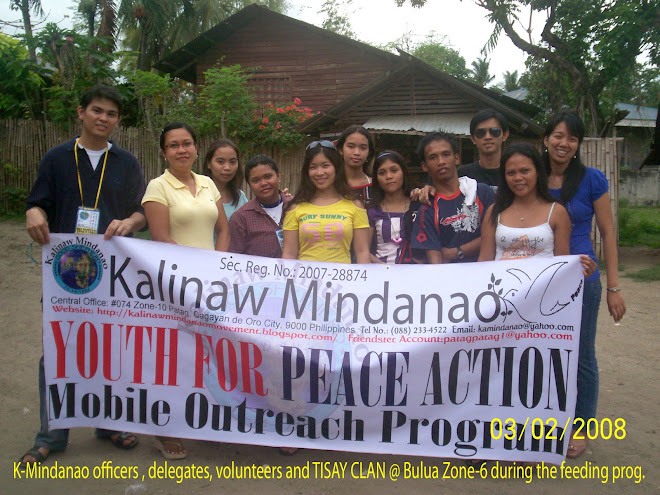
point(449, 229)
point(88, 171)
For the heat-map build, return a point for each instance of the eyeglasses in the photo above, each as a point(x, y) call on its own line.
point(176, 146)
point(325, 144)
point(494, 131)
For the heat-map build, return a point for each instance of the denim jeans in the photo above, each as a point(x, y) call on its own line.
point(587, 379)
point(54, 440)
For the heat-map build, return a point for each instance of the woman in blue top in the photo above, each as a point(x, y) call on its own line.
point(583, 191)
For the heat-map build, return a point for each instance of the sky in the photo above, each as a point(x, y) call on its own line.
point(378, 22)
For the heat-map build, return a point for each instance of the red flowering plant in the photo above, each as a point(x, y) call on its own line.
point(276, 126)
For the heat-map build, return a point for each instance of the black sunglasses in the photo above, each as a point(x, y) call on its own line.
point(494, 131)
point(325, 144)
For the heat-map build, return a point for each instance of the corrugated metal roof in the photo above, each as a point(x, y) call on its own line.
point(518, 94)
point(637, 116)
point(456, 123)
point(635, 123)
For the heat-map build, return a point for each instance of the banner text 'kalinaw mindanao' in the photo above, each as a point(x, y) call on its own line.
point(471, 361)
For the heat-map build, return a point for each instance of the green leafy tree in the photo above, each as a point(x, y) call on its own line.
point(590, 42)
point(640, 86)
point(19, 80)
point(336, 19)
point(551, 89)
point(73, 64)
point(227, 109)
point(67, 61)
point(548, 88)
point(152, 92)
point(481, 72)
point(436, 52)
point(225, 104)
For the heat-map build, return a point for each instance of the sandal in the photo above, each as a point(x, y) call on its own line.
point(39, 457)
point(171, 448)
point(576, 446)
point(118, 439)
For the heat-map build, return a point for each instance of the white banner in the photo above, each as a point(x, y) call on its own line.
point(474, 361)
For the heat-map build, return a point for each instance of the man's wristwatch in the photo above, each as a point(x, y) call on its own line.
point(459, 253)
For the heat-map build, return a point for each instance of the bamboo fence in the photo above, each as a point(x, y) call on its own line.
point(601, 153)
point(24, 142)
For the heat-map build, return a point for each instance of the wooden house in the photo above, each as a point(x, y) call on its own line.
point(415, 99)
point(396, 96)
point(291, 59)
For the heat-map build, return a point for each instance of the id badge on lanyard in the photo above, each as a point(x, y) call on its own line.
point(87, 221)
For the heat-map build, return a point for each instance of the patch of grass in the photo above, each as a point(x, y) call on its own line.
point(647, 275)
point(13, 217)
point(639, 226)
point(603, 267)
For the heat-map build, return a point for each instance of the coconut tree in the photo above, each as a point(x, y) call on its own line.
point(511, 81)
point(104, 14)
point(27, 6)
point(153, 28)
point(480, 73)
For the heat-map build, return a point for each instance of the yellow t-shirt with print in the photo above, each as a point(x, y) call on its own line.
point(192, 219)
point(325, 233)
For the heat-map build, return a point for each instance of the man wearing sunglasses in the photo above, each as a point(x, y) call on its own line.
point(488, 131)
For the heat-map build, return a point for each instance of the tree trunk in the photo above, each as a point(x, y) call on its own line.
point(142, 57)
point(27, 26)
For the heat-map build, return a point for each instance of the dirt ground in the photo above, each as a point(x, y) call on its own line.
point(629, 388)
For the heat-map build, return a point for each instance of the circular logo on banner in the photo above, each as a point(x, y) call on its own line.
point(77, 269)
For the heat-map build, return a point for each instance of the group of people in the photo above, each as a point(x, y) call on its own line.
point(351, 206)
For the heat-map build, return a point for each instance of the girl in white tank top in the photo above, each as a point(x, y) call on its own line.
point(525, 220)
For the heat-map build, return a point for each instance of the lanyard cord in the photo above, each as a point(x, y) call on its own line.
point(98, 192)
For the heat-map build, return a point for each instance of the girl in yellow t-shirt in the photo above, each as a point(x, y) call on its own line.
point(322, 220)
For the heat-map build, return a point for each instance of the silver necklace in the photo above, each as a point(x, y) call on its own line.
point(530, 211)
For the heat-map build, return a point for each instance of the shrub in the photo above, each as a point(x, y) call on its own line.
point(16, 198)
